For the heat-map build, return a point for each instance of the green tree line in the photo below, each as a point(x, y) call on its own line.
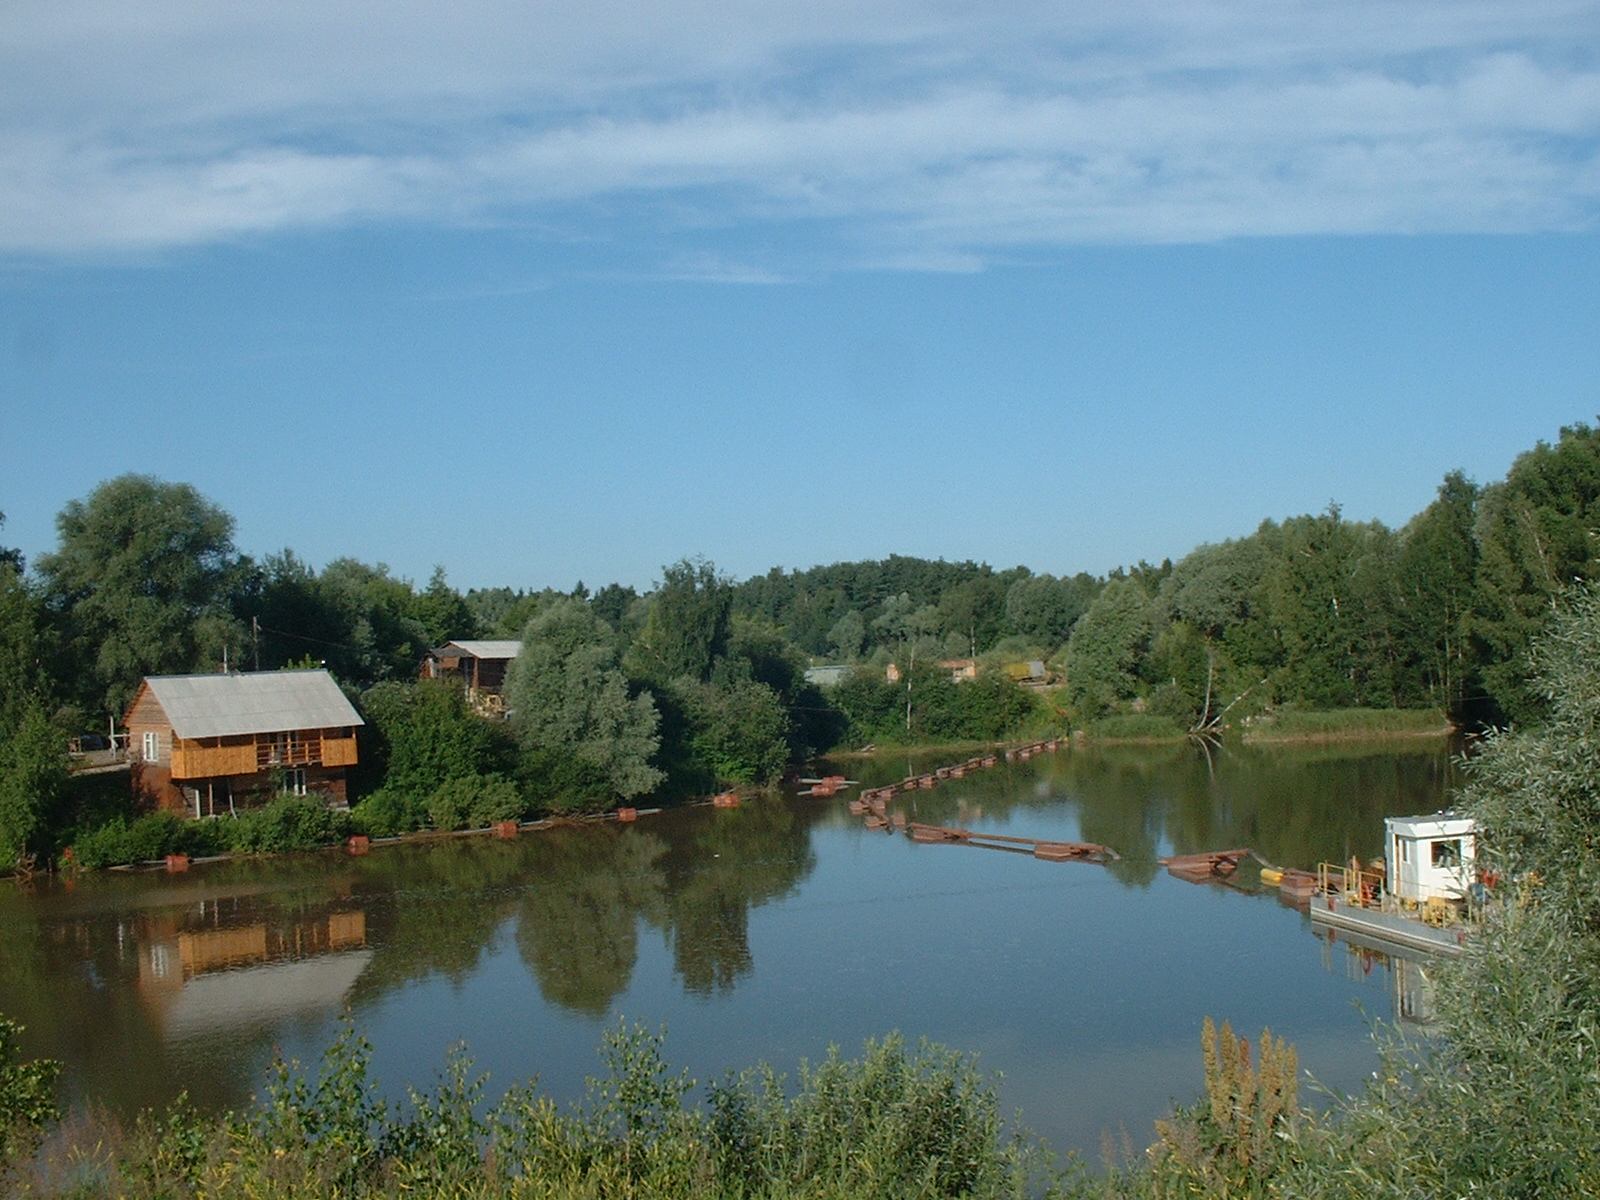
point(699, 683)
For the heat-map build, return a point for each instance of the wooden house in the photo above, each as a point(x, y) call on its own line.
point(206, 744)
point(480, 666)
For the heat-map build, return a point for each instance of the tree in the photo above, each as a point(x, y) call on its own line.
point(33, 776)
point(10, 556)
point(1535, 534)
point(848, 637)
point(737, 731)
point(24, 648)
point(687, 628)
point(1043, 609)
point(1438, 567)
point(143, 580)
point(1107, 647)
point(420, 736)
point(442, 612)
point(586, 740)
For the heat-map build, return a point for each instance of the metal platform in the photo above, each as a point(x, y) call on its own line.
point(1395, 929)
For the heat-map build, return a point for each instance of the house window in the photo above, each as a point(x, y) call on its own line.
point(1447, 853)
point(152, 746)
point(294, 781)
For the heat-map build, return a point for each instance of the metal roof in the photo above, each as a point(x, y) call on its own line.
point(485, 649)
point(265, 702)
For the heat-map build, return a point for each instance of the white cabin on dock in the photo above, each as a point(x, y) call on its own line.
point(1429, 857)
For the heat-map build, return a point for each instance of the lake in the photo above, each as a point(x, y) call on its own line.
point(769, 931)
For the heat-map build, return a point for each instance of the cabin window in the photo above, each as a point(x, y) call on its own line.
point(152, 746)
point(1405, 850)
point(294, 781)
point(1447, 852)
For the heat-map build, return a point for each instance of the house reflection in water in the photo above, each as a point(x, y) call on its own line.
point(207, 970)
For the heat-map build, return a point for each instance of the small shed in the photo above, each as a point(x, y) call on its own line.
point(1429, 857)
point(481, 665)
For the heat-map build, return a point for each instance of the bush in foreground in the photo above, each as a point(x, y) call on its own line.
point(893, 1123)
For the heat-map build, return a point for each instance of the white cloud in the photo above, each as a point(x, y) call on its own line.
point(900, 132)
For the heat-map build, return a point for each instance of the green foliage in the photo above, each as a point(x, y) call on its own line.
point(474, 802)
point(986, 709)
point(388, 813)
point(1288, 724)
point(1436, 575)
point(27, 1100)
point(587, 742)
point(736, 731)
point(890, 1124)
point(33, 777)
point(143, 575)
point(688, 625)
point(1106, 647)
point(25, 648)
point(421, 735)
point(1043, 609)
point(1534, 534)
point(284, 824)
point(150, 837)
point(1135, 727)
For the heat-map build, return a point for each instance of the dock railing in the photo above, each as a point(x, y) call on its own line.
point(1357, 886)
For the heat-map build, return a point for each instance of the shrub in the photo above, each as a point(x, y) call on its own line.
point(287, 823)
point(27, 1099)
point(388, 813)
point(475, 802)
point(118, 841)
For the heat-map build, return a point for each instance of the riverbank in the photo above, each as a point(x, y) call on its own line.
point(1376, 725)
point(1347, 724)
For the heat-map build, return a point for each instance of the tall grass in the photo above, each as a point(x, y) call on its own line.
point(1336, 723)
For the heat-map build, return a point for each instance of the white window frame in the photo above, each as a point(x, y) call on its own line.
point(294, 781)
point(150, 747)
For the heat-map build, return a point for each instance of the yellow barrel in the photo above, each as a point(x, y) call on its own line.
point(1271, 876)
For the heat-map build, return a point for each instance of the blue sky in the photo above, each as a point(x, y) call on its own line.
point(569, 291)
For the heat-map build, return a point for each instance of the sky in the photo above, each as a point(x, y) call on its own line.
point(561, 291)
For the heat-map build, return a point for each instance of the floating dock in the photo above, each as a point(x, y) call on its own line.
point(1039, 847)
point(1393, 928)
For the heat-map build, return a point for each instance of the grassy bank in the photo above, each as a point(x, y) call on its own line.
point(1133, 727)
point(1352, 724)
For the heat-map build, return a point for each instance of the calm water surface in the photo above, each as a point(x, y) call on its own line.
point(764, 932)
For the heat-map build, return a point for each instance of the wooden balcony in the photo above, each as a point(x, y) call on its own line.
point(263, 752)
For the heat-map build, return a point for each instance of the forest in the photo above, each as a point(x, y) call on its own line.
point(699, 683)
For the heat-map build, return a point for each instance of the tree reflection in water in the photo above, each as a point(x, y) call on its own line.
point(577, 924)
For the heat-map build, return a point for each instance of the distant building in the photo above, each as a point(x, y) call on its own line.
point(1031, 672)
point(199, 745)
point(826, 675)
point(960, 668)
point(481, 667)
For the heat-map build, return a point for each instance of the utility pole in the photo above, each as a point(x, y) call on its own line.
point(255, 640)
